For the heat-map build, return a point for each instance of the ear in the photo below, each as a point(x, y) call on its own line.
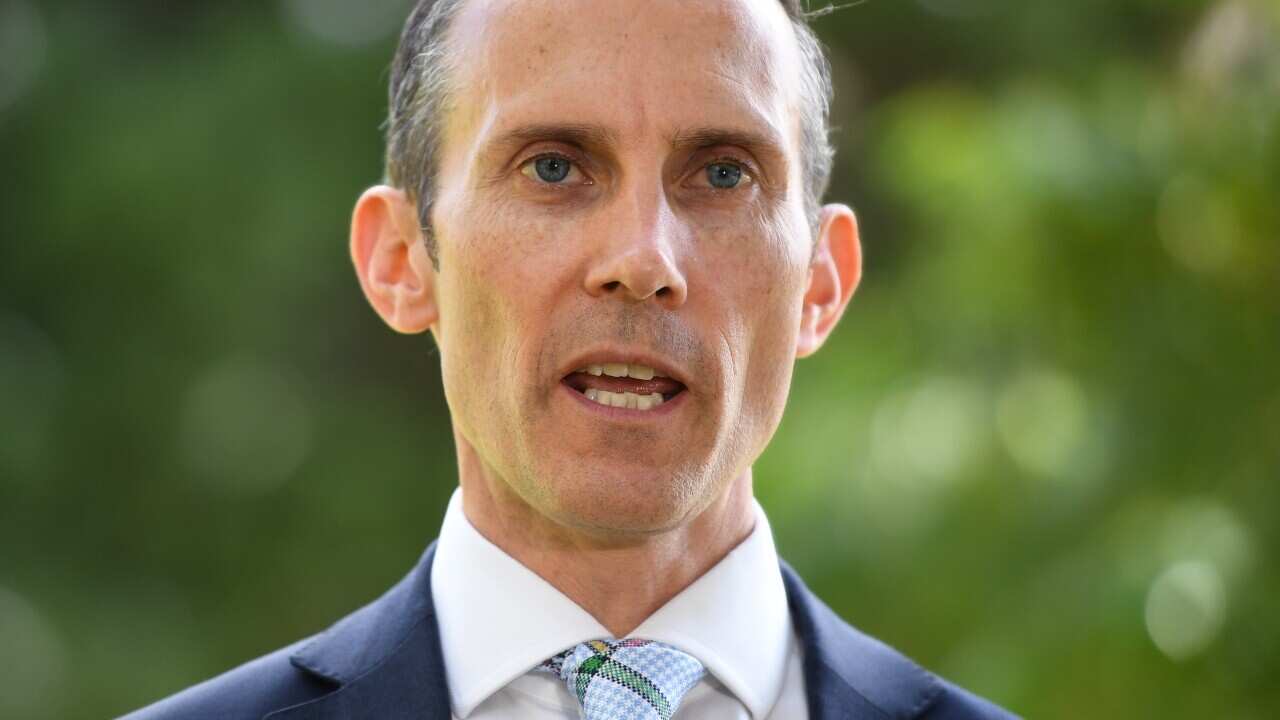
point(833, 276)
point(391, 260)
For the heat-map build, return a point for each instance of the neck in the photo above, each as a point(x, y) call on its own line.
point(619, 579)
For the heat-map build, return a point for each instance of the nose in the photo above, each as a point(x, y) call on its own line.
point(638, 256)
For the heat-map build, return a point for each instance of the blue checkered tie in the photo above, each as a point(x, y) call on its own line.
point(626, 679)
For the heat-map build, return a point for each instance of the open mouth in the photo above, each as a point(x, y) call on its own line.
point(624, 385)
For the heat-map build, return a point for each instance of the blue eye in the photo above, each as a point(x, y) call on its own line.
point(551, 168)
point(724, 175)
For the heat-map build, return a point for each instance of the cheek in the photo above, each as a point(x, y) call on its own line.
point(759, 269)
point(475, 316)
point(497, 282)
point(511, 250)
point(761, 272)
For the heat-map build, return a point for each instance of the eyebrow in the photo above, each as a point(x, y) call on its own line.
point(756, 142)
point(578, 134)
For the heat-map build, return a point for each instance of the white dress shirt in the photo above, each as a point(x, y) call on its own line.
point(499, 620)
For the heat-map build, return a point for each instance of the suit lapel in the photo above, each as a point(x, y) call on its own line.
point(385, 658)
point(849, 675)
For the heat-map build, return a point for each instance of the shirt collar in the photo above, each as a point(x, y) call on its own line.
point(734, 618)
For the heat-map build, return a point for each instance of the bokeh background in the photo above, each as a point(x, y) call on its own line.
point(1041, 455)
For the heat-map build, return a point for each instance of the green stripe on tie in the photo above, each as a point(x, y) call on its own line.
point(586, 671)
point(636, 683)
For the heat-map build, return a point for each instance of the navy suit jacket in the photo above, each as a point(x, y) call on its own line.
point(384, 661)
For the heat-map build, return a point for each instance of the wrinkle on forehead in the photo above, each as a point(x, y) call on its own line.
point(641, 67)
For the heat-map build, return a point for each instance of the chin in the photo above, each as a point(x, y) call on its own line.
point(625, 500)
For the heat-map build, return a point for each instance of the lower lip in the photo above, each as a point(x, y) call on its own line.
point(616, 413)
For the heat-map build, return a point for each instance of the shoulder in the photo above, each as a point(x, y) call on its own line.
point(851, 674)
point(251, 690)
point(956, 703)
point(388, 650)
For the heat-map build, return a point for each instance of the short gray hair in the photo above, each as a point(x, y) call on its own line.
point(420, 96)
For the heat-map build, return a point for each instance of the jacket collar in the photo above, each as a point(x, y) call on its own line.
point(848, 674)
point(384, 657)
point(386, 660)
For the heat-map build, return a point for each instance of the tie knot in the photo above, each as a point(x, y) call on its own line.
point(627, 679)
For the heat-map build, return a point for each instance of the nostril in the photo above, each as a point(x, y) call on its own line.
point(611, 286)
point(663, 292)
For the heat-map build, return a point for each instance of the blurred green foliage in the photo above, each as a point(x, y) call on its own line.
point(1041, 455)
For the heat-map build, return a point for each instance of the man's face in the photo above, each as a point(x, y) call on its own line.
point(620, 182)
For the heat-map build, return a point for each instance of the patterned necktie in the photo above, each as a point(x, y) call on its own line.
point(626, 679)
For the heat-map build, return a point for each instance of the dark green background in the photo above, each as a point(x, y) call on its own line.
point(1040, 455)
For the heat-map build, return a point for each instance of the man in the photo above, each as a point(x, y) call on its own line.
point(606, 213)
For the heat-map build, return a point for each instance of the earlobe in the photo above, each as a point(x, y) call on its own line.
point(833, 276)
point(391, 261)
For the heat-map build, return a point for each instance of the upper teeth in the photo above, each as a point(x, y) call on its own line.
point(632, 370)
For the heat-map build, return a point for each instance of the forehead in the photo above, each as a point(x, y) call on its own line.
point(632, 66)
